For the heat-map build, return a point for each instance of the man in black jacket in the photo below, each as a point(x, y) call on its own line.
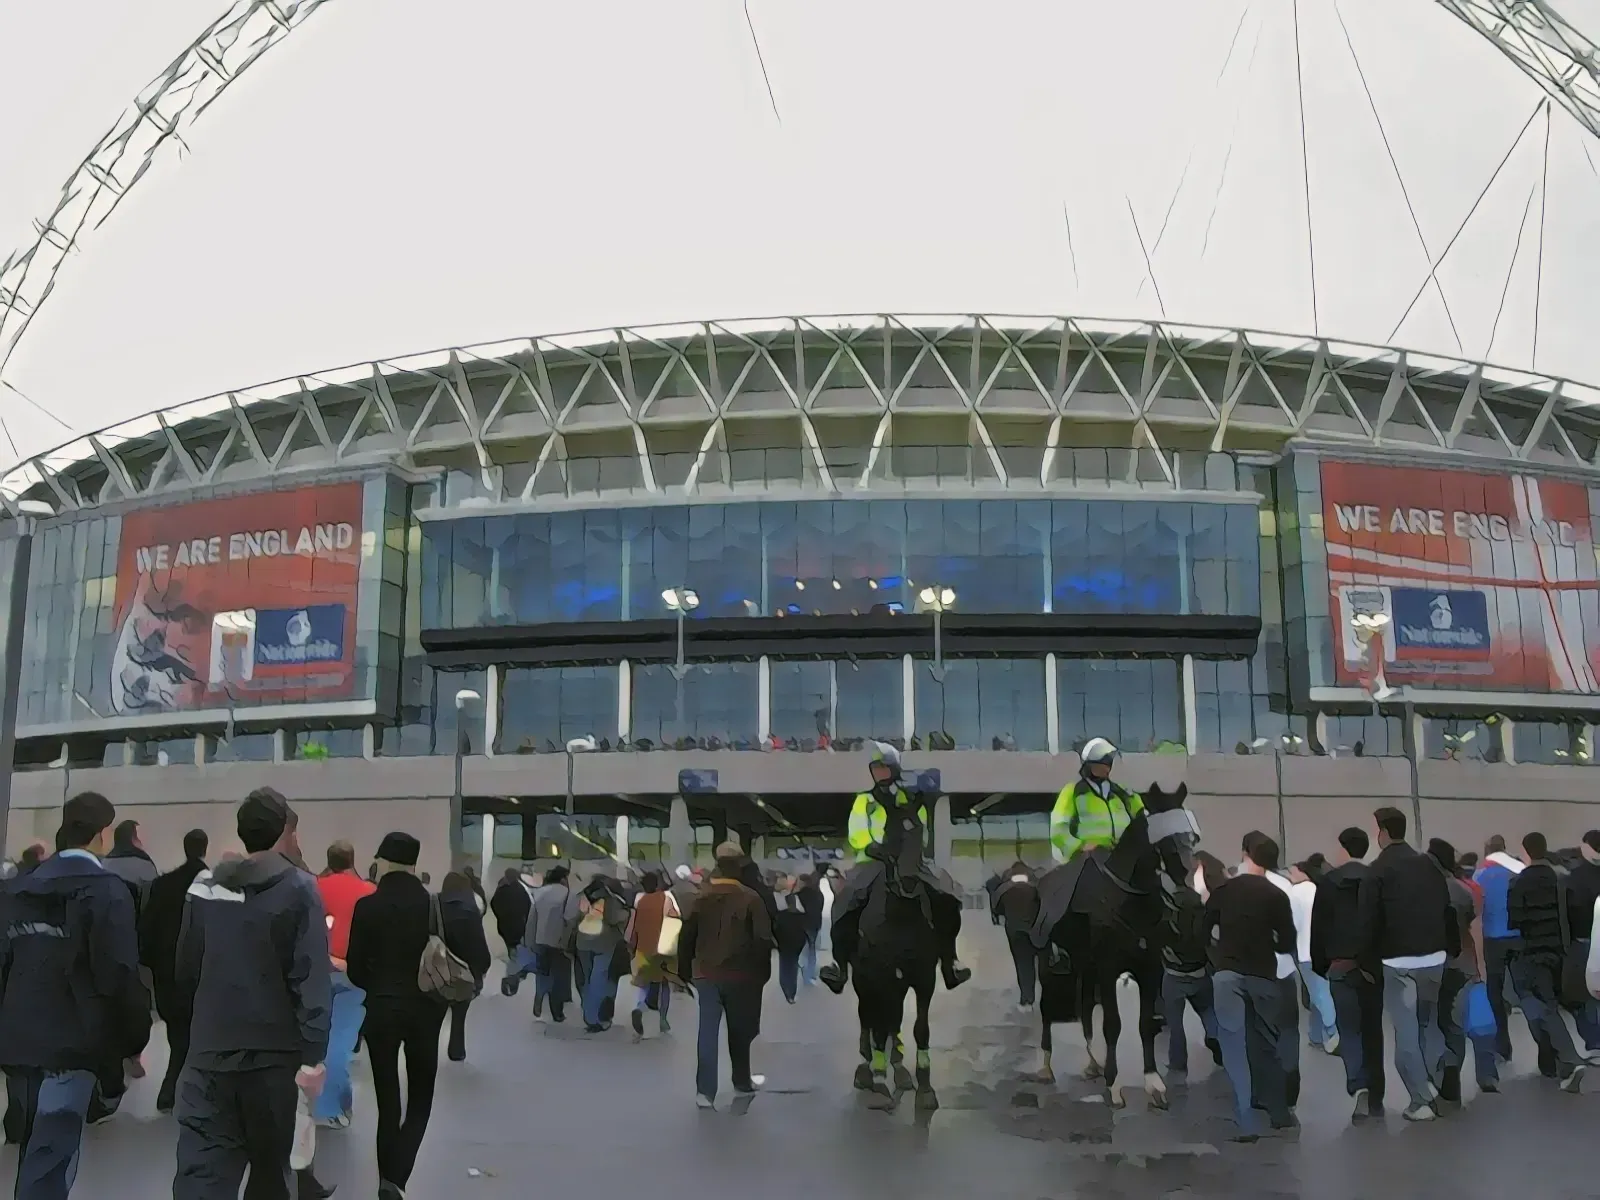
point(1014, 903)
point(1336, 947)
point(159, 926)
point(71, 1001)
point(1409, 927)
point(253, 959)
point(1583, 890)
point(1533, 910)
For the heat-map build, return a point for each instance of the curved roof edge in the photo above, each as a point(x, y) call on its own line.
point(544, 401)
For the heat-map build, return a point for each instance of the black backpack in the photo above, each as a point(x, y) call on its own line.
point(1184, 948)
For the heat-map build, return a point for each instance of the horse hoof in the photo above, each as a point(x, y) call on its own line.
point(863, 1078)
point(1094, 1071)
point(1116, 1099)
point(880, 1097)
point(1045, 1076)
point(927, 1100)
point(1155, 1088)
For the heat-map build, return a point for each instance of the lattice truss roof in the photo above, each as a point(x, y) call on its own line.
point(827, 404)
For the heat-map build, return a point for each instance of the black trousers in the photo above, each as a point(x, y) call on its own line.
point(394, 1027)
point(1026, 959)
point(458, 1028)
point(176, 1016)
point(1496, 955)
point(229, 1121)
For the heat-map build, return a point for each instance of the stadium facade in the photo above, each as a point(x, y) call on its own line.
point(1304, 577)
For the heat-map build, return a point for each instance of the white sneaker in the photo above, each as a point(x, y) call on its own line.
point(1331, 1044)
point(704, 1102)
point(1420, 1112)
point(756, 1082)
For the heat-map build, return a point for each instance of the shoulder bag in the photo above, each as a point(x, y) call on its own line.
point(440, 973)
point(671, 927)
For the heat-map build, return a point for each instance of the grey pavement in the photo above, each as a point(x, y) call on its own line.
point(547, 1110)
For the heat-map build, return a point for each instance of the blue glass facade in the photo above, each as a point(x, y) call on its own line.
point(842, 556)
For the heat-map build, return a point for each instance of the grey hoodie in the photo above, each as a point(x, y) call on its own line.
point(553, 917)
point(253, 952)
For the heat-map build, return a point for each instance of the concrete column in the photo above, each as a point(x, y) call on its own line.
point(621, 838)
point(624, 697)
point(943, 832)
point(1191, 708)
point(491, 706)
point(1052, 714)
point(1508, 742)
point(678, 840)
point(764, 698)
point(369, 743)
point(486, 851)
point(908, 698)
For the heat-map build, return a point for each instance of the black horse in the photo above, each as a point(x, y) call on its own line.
point(895, 950)
point(1100, 918)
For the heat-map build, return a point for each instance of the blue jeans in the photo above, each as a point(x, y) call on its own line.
point(55, 1108)
point(1247, 1011)
point(808, 960)
point(740, 1004)
point(789, 974)
point(598, 986)
point(1358, 1002)
point(1411, 998)
point(1536, 977)
point(660, 992)
point(349, 1009)
point(1178, 992)
point(1452, 1025)
point(1322, 1019)
point(1587, 1019)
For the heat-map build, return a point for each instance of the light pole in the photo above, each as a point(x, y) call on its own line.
point(1282, 743)
point(236, 635)
point(682, 601)
point(575, 747)
point(937, 599)
point(1368, 629)
point(464, 697)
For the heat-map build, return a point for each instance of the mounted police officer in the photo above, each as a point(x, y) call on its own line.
point(1092, 812)
point(882, 819)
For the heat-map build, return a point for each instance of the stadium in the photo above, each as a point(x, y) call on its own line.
point(621, 593)
point(711, 559)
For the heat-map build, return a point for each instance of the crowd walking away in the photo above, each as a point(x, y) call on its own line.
point(271, 983)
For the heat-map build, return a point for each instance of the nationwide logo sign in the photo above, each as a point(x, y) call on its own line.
point(1470, 579)
point(314, 634)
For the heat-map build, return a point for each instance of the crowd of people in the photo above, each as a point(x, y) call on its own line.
point(713, 931)
point(1444, 945)
point(265, 976)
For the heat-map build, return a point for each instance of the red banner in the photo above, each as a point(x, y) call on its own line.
point(252, 597)
point(1460, 579)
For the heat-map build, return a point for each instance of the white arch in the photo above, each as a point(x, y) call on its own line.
point(1530, 33)
point(160, 113)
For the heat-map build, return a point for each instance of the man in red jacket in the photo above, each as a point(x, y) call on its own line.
point(341, 887)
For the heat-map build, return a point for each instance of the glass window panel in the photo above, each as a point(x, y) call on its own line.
point(802, 700)
point(713, 705)
point(447, 686)
point(1366, 735)
point(983, 704)
point(1135, 703)
point(541, 709)
point(871, 699)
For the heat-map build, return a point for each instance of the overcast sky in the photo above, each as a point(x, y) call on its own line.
point(401, 175)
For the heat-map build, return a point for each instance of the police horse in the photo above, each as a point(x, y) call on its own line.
point(899, 905)
point(1100, 918)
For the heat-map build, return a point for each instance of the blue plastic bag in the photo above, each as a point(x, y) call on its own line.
point(1479, 1019)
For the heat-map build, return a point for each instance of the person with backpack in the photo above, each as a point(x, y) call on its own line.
point(71, 999)
point(398, 935)
point(1186, 962)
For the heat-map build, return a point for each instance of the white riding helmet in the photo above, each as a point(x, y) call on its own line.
point(886, 754)
point(1098, 750)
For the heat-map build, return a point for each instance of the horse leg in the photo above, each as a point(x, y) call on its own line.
point(927, 1098)
point(863, 1078)
point(882, 1027)
point(1111, 1018)
point(1086, 1002)
point(1155, 1088)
